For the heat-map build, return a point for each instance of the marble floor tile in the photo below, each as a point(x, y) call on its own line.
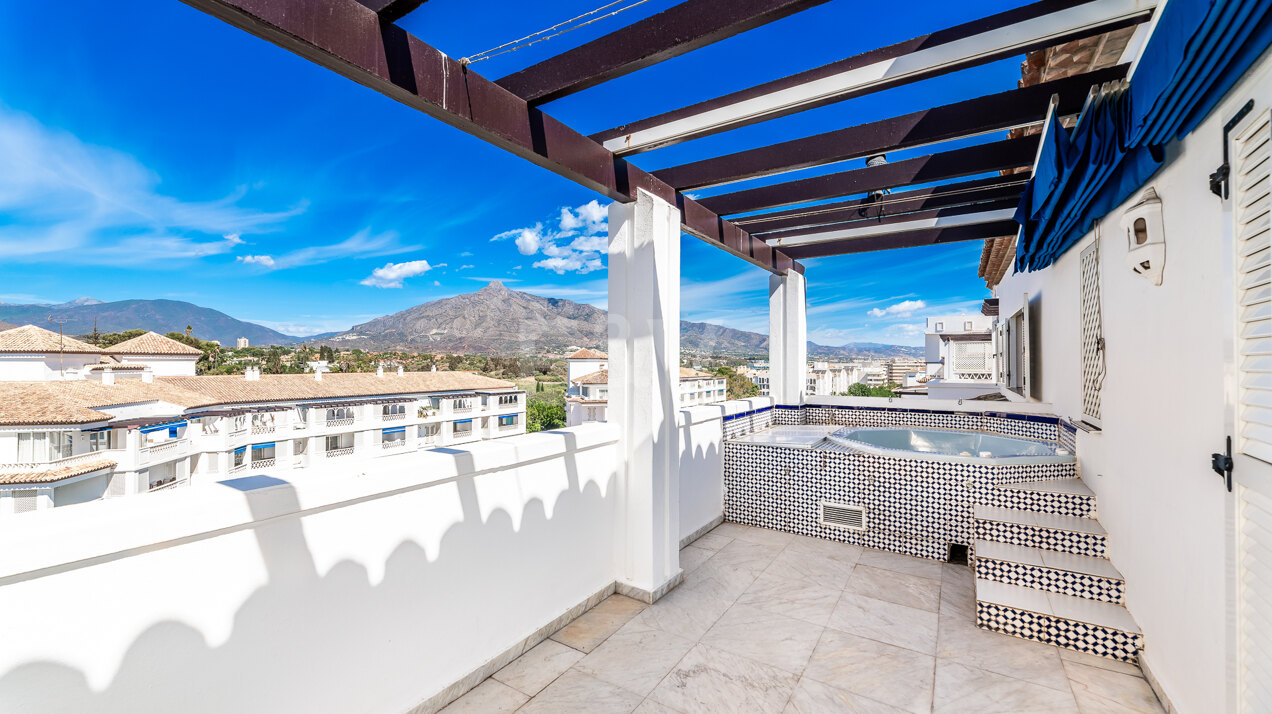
point(812, 568)
point(712, 541)
point(489, 697)
point(692, 556)
point(650, 706)
point(1103, 690)
point(577, 693)
point(845, 552)
point(745, 555)
point(893, 586)
point(1112, 665)
point(892, 675)
point(967, 690)
point(886, 622)
point(961, 641)
point(688, 611)
point(536, 669)
point(813, 697)
point(755, 535)
point(712, 680)
point(775, 640)
point(899, 563)
point(636, 657)
point(592, 627)
point(810, 603)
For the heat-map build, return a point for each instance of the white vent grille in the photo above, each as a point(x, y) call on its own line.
point(1251, 168)
point(1092, 347)
point(25, 501)
point(842, 515)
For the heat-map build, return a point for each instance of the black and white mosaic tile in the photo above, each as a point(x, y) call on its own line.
point(1065, 582)
point(1092, 544)
point(1071, 634)
point(1065, 504)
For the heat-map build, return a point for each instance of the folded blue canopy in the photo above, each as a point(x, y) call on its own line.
point(1197, 51)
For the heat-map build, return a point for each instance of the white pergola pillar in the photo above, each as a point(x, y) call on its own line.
point(788, 338)
point(644, 380)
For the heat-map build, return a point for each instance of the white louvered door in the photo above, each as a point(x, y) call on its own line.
point(1251, 195)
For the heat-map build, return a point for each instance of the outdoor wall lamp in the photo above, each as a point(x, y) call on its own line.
point(1146, 237)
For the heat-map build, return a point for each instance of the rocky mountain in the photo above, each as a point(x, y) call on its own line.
point(498, 320)
point(158, 315)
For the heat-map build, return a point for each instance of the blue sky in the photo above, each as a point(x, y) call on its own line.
point(150, 151)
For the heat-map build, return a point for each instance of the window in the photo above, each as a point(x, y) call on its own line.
point(99, 440)
point(507, 400)
point(239, 455)
point(507, 421)
point(463, 404)
point(462, 428)
point(1092, 338)
point(389, 410)
point(967, 326)
point(1012, 339)
point(339, 441)
point(43, 446)
point(429, 432)
point(262, 452)
point(263, 419)
point(940, 326)
point(339, 413)
point(388, 436)
point(300, 446)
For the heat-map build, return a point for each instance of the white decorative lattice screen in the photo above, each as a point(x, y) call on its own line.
point(973, 360)
point(1092, 345)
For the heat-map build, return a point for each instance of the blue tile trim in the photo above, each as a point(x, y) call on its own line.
point(740, 415)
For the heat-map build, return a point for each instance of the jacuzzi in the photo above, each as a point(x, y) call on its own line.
point(971, 447)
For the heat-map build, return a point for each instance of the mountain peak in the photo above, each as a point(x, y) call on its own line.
point(494, 286)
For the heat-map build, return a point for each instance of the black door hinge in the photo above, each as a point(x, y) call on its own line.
point(1222, 464)
point(1219, 179)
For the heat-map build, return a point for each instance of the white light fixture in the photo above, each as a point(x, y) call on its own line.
point(1146, 237)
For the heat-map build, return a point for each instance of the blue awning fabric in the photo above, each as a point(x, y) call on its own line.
point(270, 445)
point(396, 430)
point(1198, 50)
point(160, 427)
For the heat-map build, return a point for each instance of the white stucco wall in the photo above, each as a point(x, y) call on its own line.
point(1164, 408)
point(328, 594)
point(164, 365)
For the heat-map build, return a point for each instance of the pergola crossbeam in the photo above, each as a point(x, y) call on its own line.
point(392, 10)
point(350, 39)
point(942, 218)
point(911, 239)
point(988, 39)
point(672, 32)
point(960, 120)
point(956, 163)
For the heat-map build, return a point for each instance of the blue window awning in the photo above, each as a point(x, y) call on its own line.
point(270, 445)
point(240, 450)
point(1198, 50)
point(161, 427)
point(463, 421)
point(395, 430)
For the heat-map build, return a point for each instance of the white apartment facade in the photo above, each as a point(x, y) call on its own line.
point(961, 362)
point(120, 429)
point(588, 397)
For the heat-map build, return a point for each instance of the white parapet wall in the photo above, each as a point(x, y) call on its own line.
point(702, 462)
point(340, 591)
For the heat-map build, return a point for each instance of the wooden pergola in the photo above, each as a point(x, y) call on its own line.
point(360, 40)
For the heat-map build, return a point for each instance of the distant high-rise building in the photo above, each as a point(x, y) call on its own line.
point(240, 343)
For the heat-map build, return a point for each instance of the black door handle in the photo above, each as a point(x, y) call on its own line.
point(1222, 464)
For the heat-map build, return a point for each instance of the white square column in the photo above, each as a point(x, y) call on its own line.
point(644, 380)
point(788, 338)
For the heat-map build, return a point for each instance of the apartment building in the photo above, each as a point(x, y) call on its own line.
point(133, 418)
point(959, 350)
point(588, 397)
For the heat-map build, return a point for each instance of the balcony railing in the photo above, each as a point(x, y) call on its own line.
point(263, 429)
point(238, 430)
point(66, 461)
point(461, 410)
point(392, 417)
point(166, 449)
point(263, 464)
point(237, 468)
point(169, 485)
point(340, 422)
point(508, 427)
point(333, 453)
point(392, 444)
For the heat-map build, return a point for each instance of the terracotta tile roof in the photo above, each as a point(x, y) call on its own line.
point(602, 376)
point(688, 373)
point(586, 353)
point(153, 343)
point(56, 473)
point(79, 401)
point(29, 338)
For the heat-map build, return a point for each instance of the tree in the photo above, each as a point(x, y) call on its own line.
point(737, 386)
point(541, 415)
point(274, 361)
point(861, 389)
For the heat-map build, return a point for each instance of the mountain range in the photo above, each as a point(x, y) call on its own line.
point(493, 320)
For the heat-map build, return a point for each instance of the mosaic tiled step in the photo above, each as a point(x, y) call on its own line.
point(1063, 573)
point(1048, 531)
point(1065, 496)
point(1097, 628)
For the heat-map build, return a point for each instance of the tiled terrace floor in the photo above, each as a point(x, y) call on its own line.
point(772, 622)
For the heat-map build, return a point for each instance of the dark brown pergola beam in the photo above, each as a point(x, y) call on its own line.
point(950, 194)
point(672, 32)
point(913, 239)
point(982, 158)
point(890, 219)
point(987, 39)
point(350, 39)
point(392, 10)
point(1005, 110)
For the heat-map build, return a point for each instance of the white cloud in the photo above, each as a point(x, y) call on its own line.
point(65, 199)
point(264, 260)
point(391, 275)
point(586, 228)
point(904, 308)
point(465, 267)
point(466, 254)
point(360, 245)
point(437, 283)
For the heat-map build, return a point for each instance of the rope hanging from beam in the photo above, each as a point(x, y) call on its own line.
point(534, 38)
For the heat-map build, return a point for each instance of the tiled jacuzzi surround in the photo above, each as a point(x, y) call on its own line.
point(747, 422)
point(1080, 636)
point(1065, 504)
point(1028, 426)
point(913, 506)
point(1055, 580)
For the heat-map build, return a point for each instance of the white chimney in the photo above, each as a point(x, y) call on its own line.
point(379, 371)
point(108, 376)
point(434, 368)
point(147, 375)
point(317, 375)
point(253, 374)
point(401, 371)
